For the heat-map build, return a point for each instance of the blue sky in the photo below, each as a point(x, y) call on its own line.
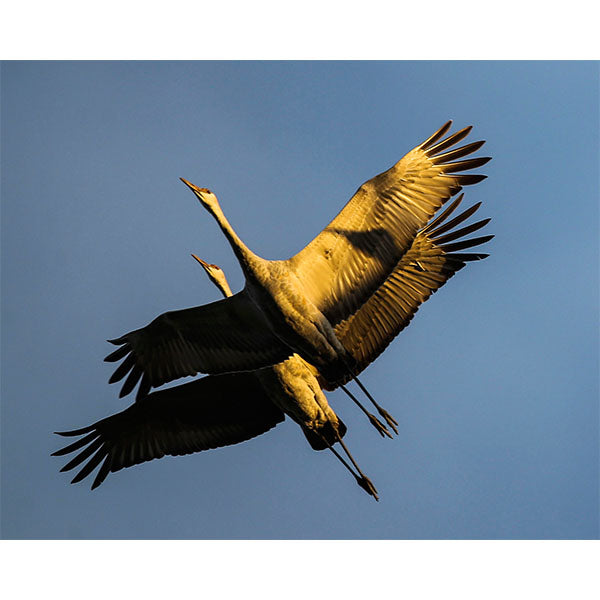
point(495, 383)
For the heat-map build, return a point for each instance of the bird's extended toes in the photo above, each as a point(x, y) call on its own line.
point(381, 428)
point(366, 484)
point(389, 419)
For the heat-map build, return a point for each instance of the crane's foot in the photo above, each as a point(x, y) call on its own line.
point(388, 419)
point(381, 428)
point(366, 484)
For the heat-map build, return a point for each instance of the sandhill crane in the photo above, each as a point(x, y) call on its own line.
point(292, 305)
point(215, 411)
point(226, 409)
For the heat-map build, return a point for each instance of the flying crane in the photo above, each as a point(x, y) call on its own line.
point(227, 409)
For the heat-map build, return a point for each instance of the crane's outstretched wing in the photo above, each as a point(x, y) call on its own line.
point(209, 413)
point(224, 336)
point(433, 258)
point(356, 252)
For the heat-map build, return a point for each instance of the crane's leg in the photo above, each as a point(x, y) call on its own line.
point(363, 481)
point(384, 413)
point(381, 428)
point(349, 362)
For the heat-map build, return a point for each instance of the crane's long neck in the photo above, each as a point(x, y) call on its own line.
point(224, 287)
point(248, 260)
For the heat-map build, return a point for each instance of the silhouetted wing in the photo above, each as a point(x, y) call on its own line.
point(356, 252)
point(433, 258)
point(225, 336)
point(209, 413)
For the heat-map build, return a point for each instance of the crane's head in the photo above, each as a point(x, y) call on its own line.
point(216, 275)
point(206, 197)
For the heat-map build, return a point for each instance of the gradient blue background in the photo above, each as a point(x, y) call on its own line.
point(495, 383)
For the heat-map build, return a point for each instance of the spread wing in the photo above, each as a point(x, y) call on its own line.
point(224, 336)
point(356, 252)
point(433, 258)
point(209, 413)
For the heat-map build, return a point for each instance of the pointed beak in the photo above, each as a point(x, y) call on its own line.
point(198, 191)
point(204, 264)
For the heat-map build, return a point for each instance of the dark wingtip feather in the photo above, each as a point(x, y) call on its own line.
point(443, 215)
point(102, 473)
point(467, 243)
point(143, 389)
point(75, 431)
point(442, 225)
point(131, 381)
point(464, 165)
point(447, 157)
point(123, 369)
point(470, 179)
point(462, 232)
point(465, 257)
point(83, 455)
point(118, 354)
point(77, 444)
point(432, 139)
point(90, 465)
point(449, 141)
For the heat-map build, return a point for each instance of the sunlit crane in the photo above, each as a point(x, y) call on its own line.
point(227, 409)
point(293, 305)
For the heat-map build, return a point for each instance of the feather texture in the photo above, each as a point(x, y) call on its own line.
point(228, 335)
point(346, 263)
point(431, 260)
point(209, 413)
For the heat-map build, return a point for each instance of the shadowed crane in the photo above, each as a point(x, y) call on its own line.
point(293, 305)
point(227, 409)
point(214, 411)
